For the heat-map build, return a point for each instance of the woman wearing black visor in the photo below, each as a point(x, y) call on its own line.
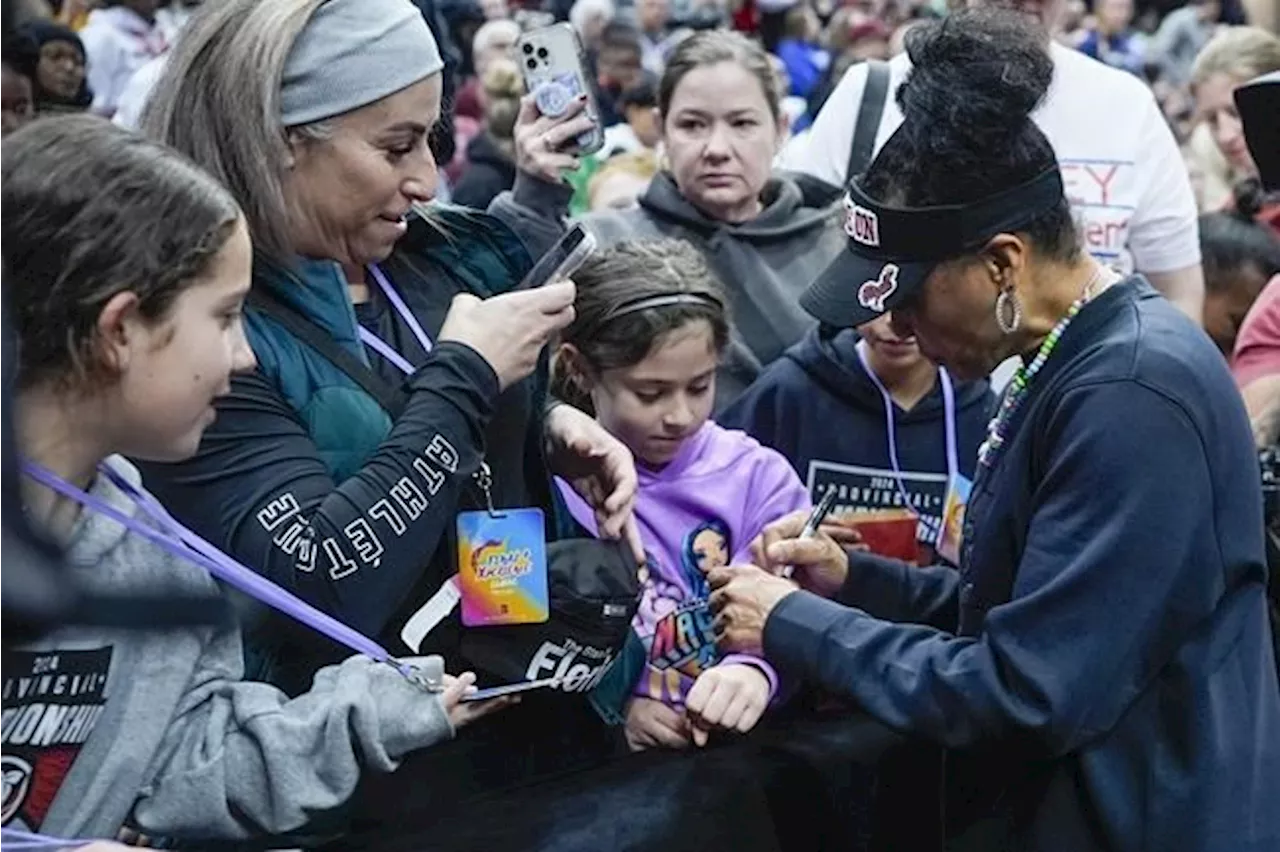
point(1103, 648)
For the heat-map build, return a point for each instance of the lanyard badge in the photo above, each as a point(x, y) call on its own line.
point(502, 564)
point(502, 555)
point(502, 570)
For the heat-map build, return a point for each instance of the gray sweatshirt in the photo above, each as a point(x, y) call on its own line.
point(765, 264)
point(156, 732)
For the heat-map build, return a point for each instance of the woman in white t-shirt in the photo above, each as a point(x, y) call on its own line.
point(1123, 173)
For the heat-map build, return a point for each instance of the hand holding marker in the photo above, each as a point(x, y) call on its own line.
point(815, 520)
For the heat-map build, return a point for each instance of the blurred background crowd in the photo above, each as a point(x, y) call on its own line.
point(88, 54)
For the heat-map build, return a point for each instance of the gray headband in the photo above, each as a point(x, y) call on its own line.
point(645, 303)
point(352, 53)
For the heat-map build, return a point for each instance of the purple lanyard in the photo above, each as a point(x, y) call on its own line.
point(949, 415)
point(379, 345)
point(19, 839)
point(182, 542)
point(16, 838)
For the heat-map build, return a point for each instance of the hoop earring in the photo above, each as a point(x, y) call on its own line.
point(1008, 311)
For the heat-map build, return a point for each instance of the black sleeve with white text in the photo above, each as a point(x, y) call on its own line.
point(259, 490)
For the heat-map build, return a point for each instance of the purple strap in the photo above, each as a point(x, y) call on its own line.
point(16, 838)
point(377, 343)
point(949, 414)
point(182, 542)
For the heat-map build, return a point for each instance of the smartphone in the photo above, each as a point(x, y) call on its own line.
point(564, 258)
point(509, 689)
point(555, 71)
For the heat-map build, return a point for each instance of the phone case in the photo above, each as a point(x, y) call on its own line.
point(554, 67)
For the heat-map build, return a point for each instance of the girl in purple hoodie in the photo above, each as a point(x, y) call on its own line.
point(641, 356)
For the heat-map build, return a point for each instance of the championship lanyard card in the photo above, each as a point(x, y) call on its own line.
point(502, 567)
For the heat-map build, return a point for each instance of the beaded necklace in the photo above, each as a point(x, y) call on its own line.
point(998, 427)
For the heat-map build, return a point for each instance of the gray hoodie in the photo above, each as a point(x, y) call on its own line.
point(765, 264)
point(156, 732)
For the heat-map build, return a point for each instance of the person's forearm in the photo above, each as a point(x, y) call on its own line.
point(350, 538)
point(895, 591)
point(241, 760)
point(1184, 287)
point(535, 210)
point(1262, 402)
point(393, 513)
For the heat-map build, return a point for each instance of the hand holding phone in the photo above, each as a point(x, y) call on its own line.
point(509, 689)
point(564, 258)
point(509, 331)
point(554, 67)
point(559, 118)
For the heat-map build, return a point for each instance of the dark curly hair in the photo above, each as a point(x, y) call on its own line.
point(967, 133)
point(90, 211)
point(1230, 242)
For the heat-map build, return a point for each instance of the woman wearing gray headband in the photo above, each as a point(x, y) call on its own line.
point(315, 114)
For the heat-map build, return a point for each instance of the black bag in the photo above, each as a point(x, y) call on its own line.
point(595, 590)
point(593, 585)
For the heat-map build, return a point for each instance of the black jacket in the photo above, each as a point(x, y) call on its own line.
point(1105, 641)
point(490, 172)
point(262, 451)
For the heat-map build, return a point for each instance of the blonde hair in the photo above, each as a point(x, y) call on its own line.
point(640, 164)
point(503, 89)
point(1239, 52)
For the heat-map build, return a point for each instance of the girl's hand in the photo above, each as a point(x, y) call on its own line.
point(652, 724)
point(732, 696)
point(599, 467)
point(463, 713)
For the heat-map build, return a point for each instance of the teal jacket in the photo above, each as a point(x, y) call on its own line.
point(475, 251)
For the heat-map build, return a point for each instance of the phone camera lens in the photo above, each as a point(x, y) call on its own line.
point(532, 63)
point(528, 48)
point(542, 53)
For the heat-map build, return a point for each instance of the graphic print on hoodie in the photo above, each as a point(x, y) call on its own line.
point(700, 511)
point(817, 406)
point(52, 701)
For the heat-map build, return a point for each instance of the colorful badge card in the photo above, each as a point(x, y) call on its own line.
point(952, 535)
point(502, 567)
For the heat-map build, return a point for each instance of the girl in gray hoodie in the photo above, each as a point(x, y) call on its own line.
point(126, 267)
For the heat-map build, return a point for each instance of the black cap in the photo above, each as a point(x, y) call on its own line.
point(1258, 103)
point(892, 250)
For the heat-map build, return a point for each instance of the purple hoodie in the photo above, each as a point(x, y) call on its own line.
point(701, 510)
